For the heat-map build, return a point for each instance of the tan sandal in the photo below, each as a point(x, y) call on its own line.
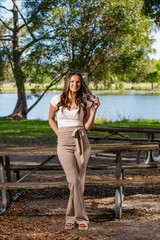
point(69, 225)
point(83, 226)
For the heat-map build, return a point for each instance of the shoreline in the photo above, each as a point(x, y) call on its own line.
point(141, 87)
point(141, 91)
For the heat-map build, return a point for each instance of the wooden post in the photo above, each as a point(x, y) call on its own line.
point(138, 158)
point(118, 193)
point(8, 174)
point(150, 158)
point(4, 192)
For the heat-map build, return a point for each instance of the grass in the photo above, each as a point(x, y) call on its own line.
point(38, 131)
point(25, 131)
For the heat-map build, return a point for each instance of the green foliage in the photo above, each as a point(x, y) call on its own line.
point(120, 86)
point(152, 9)
point(100, 120)
point(153, 72)
point(5, 67)
point(107, 39)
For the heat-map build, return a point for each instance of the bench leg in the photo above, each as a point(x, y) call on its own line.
point(138, 158)
point(123, 188)
point(18, 176)
point(8, 175)
point(118, 204)
point(4, 192)
point(119, 190)
point(150, 157)
point(18, 194)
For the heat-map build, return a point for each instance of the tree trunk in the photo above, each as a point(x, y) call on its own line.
point(20, 110)
point(152, 86)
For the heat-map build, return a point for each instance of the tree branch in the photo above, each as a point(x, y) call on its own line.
point(11, 29)
point(25, 23)
point(7, 36)
point(34, 41)
point(10, 10)
point(30, 44)
point(31, 17)
point(5, 39)
point(9, 57)
point(52, 83)
point(96, 67)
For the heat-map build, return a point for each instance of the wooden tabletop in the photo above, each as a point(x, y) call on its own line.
point(125, 129)
point(39, 150)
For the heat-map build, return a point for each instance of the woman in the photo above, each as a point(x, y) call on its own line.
point(74, 119)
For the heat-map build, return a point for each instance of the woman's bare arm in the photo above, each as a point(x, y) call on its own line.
point(51, 119)
point(89, 118)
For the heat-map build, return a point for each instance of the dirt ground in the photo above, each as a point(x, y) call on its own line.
point(40, 214)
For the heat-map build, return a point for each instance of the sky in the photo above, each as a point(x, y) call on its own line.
point(155, 35)
point(156, 45)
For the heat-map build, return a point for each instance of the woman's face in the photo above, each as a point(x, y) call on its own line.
point(75, 84)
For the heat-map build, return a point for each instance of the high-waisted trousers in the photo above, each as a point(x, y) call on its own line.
point(73, 152)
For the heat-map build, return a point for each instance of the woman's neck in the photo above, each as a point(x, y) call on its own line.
point(72, 96)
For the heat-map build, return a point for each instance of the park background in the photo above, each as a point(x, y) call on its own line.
point(112, 42)
point(117, 49)
point(115, 44)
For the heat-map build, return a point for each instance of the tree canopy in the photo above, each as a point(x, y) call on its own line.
point(106, 39)
point(152, 9)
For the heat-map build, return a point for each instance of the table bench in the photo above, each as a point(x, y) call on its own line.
point(115, 134)
point(48, 150)
point(54, 167)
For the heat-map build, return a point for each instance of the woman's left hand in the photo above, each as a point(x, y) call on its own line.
point(96, 103)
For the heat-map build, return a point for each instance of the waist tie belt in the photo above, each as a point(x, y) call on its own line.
point(78, 134)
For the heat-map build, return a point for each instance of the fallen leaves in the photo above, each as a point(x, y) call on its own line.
point(40, 214)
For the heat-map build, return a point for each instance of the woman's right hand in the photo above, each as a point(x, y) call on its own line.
point(96, 104)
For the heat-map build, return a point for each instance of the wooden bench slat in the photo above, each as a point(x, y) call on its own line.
point(38, 150)
point(108, 183)
point(121, 147)
point(125, 129)
point(94, 167)
point(31, 167)
point(122, 139)
point(135, 166)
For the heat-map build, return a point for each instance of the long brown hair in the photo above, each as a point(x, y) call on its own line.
point(83, 93)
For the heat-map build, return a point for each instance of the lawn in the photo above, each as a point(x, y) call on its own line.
point(28, 131)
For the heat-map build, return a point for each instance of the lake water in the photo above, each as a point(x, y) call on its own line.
point(113, 107)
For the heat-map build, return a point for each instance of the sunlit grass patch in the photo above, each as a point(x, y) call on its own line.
point(19, 131)
point(25, 130)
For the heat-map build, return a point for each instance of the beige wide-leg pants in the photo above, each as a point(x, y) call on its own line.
point(73, 152)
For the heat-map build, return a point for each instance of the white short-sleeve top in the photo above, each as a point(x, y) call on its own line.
point(68, 117)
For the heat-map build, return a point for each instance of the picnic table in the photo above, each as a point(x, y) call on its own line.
point(6, 151)
point(150, 132)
